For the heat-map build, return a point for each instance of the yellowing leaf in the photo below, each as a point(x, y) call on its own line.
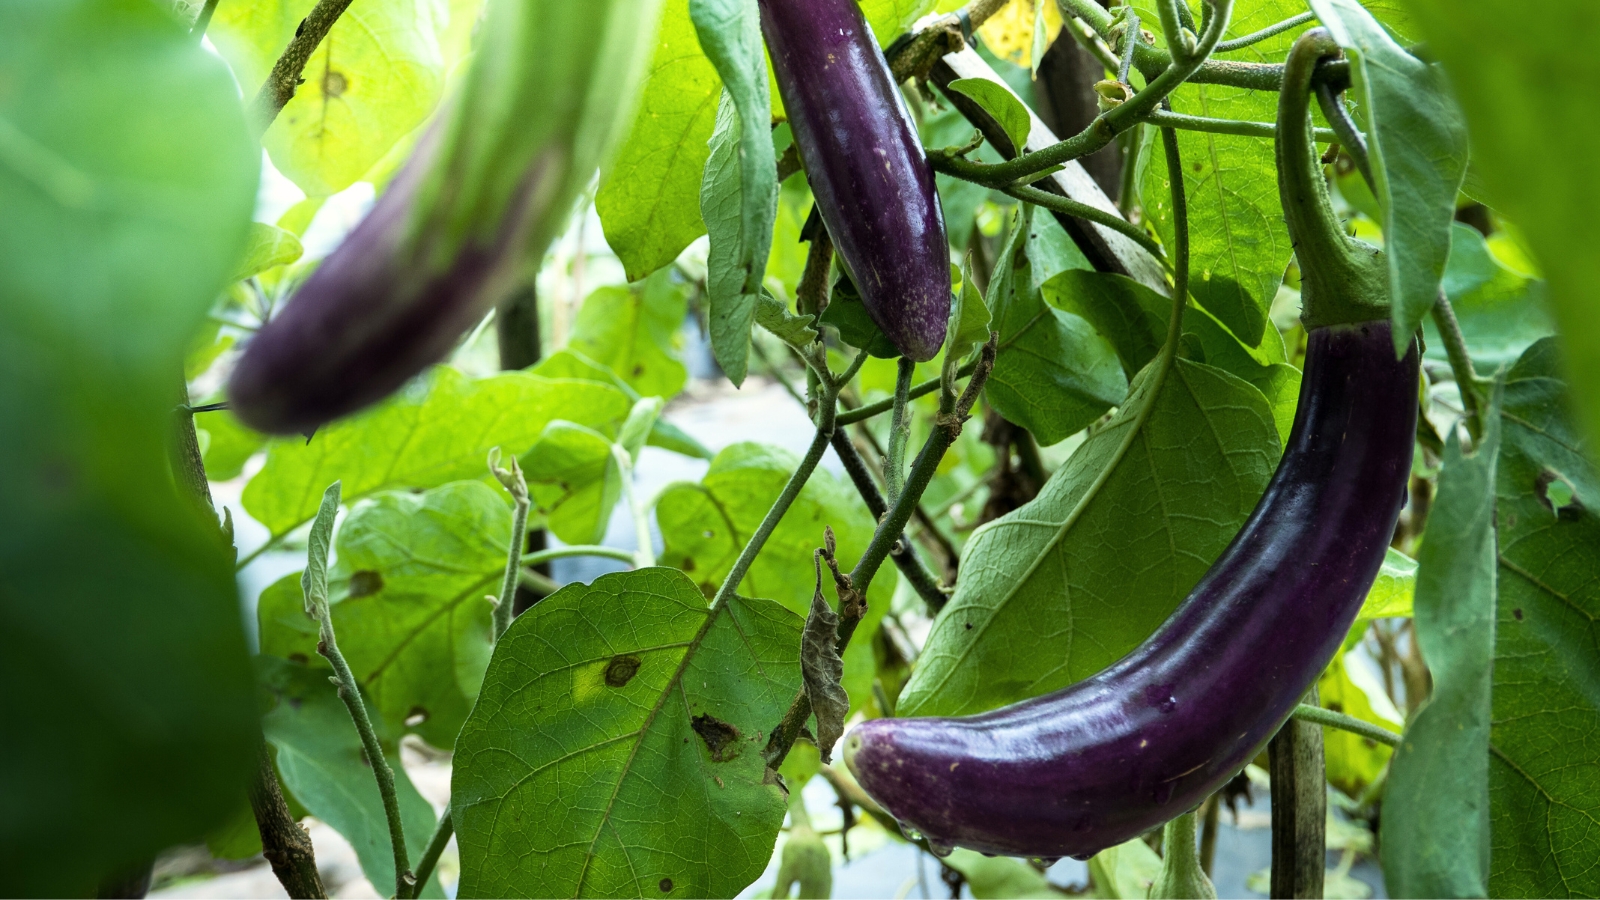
point(1009, 33)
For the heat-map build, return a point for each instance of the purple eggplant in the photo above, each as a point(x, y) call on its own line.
point(481, 197)
point(1107, 759)
point(871, 181)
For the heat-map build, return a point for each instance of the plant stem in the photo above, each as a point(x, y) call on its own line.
point(314, 582)
point(645, 556)
point(283, 842)
point(905, 554)
point(1211, 811)
point(1130, 40)
point(922, 389)
point(1346, 132)
point(203, 20)
point(544, 556)
point(515, 485)
point(1182, 875)
point(436, 845)
point(1343, 722)
point(1299, 808)
point(280, 85)
point(894, 462)
point(1256, 37)
point(1226, 126)
point(1467, 381)
point(1057, 203)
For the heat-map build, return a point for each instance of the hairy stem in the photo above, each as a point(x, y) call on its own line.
point(894, 462)
point(1299, 808)
point(514, 484)
point(905, 553)
point(1227, 126)
point(1057, 203)
point(1328, 717)
point(279, 88)
point(921, 389)
point(1256, 37)
point(430, 854)
point(1467, 380)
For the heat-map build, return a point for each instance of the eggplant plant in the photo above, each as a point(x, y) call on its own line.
point(1257, 466)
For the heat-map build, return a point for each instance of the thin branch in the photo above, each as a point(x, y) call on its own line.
point(1343, 722)
point(543, 556)
point(904, 554)
point(894, 462)
point(314, 582)
point(1473, 398)
point(1227, 126)
point(1256, 37)
point(1130, 40)
point(1347, 134)
point(512, 480)
point(203, 20)
point(430, 855)
point(279, 88)
point(1299, 808)
point(1067, 206)
point(868, 410)
point(645, 556)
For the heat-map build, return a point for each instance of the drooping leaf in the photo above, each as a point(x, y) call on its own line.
point(1531, 134)
point(1391, 594)
point(1125, 871)
point(268, 246)
point(1001, 104)
point(407, 595)
point(821, 670)
point(441, 431)
point(1347, 686)
point(574, 481)
point(322, 764)
point(1417, 142)
point(634, 333)
point(1053, 373)
point(127, 178)
point(704, 525)
point(730, 33)
point(616, 746)
point(1436, 825)
point(1074, 579)
point(1000, 878)
point(648, 198)
point(1239, 245)
point(1544, 765)
point(774, 316)
point(376, 75)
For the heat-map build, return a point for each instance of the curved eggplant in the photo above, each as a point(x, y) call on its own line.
point(1107, 759)
point(484, 191)
point(866, 166)
point(1104, 760)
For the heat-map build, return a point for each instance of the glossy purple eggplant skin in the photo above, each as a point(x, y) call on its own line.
point(373, 315)
point(861, 152)
point(1107, 759)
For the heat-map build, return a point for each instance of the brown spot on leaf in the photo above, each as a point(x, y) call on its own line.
point(721, 738)
point(621, 670)
point(365, 583)
point(299, 659)
point(1517, 613)
point(334, 83)
point(665, 885)
point(688, 565)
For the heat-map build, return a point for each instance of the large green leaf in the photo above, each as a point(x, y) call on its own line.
point(1239, 245)
point(704, 526)
point(739, 194)
point(1544, 767)
point(634, 333)
point(1418, 147)
point(574, 480)
point(372, 80)
point(1501, 313)
point(1526, 100)
point(648, 198)
point(1436, 822)
point(407, 595)
point(890, 17)
point(322, 763)
point(127, 177)
point(1053, 374)
point(616, 747)
point(1074, 579)
point(440, 432)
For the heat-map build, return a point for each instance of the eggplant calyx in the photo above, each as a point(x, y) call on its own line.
point(1343, 280)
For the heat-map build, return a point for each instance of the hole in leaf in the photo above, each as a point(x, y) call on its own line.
point(1557, 495)
point(416, 716)
point(721, 738)
point(365, 583)
point(621, 670)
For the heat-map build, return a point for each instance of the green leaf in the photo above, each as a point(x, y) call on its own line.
point(704, 525)
point(1391, 594)
point(888, 18)
point(441, 431)
point(636, 429)
point(739, 196)
point(127, 178)
point(1053, 374)
point(999, 102)
point(269, 246)
point(634, 333)
point(1125, 871)
point(648, 195)
point(407, 596)
point(228, 445)
point(1050, 250)
point(1501, 313)
point(1531, 140)
point(795, 330)
point(849, 317)
point(1239, 246)
point(372, 80)
point(322, 763)
point(574, 480)
point(969, 319)
point(999, 877)
point(616, 746)
point(1544, 767)
point(1354, 762)
point(1105, 560)
point(1417, 141)
point(1436, 827)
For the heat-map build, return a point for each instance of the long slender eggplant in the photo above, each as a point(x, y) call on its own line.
point(483, 193)
point(871, 180)
point(1101, 761)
